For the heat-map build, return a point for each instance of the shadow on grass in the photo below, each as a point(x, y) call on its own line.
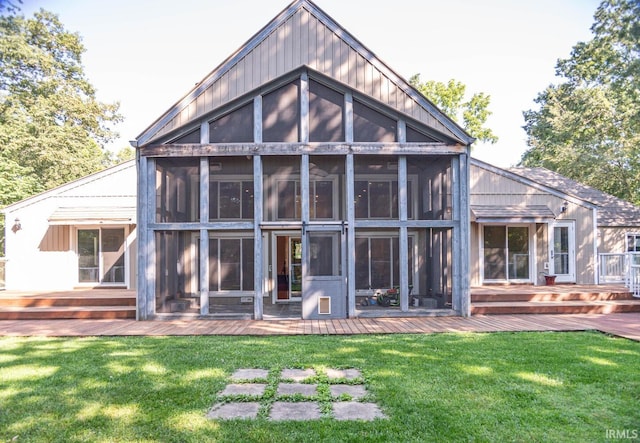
point(444, 387)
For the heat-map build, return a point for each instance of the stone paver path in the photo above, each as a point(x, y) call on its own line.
point(296, 396)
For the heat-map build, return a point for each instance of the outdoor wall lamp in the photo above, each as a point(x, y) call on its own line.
point(16, 225)
point(564, 207)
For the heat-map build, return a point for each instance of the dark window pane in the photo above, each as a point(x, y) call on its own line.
point(235, 127)
point(247, 200)
point(380, 198)
point(372, 126)
point(325, 114)
point(213, 200)
point(229, 200)
point(213, 264)
point(322, 201)
point(286, 199)
point(192, 137)
point(247, 264)
point(177, 190)
point(362, 263)
point(281, 114)
point(414, 136)
point(230, 264)
point(362, 199)
point(380, 263)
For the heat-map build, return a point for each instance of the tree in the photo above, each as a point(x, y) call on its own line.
point(450, 99)
point(52, 127)
point(588, 126)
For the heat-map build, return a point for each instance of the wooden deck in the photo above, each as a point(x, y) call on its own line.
point(623, 325)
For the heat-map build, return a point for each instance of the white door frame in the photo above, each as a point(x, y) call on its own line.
point(571, 276)
point(273, 272)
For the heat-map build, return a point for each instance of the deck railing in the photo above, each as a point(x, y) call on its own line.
point(612, 268)
point(633, 273)
point(3, 262)
point(621, 268)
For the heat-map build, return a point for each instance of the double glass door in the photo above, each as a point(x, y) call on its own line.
point(101, 253)
point(506, 253)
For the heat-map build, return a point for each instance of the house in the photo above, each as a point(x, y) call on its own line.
point(302, 177)
point(81, 234)
point(528, 223)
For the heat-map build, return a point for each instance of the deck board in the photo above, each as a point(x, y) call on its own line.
point(624, 325)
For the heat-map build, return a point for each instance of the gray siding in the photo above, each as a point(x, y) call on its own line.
point(303, 39)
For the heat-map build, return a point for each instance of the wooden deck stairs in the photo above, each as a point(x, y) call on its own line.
point(76, 304)
point(563, 299)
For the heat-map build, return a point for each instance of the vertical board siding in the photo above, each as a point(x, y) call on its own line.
point(302, 39)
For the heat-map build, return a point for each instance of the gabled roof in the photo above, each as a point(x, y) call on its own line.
point(612, 211)
point(67, 187)
point(302, 35)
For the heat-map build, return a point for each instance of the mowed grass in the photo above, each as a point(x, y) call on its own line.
point(527, 387)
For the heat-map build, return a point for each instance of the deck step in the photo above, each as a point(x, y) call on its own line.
point(73, 304)
point(67, 312)
point(516, 296)
point(556, 307)
point(79, 301)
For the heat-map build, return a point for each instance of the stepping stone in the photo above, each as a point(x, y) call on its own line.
point(250, 374)
point(256, 389)
point(297, 388)
point(348, 374)
point(303, 410)
point(297, 374)
point(224, 411)
point(353, 410)
point(355, 391)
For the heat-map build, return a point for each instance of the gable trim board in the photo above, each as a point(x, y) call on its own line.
point(440, 121)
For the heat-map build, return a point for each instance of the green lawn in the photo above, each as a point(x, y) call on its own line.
point(444, 387)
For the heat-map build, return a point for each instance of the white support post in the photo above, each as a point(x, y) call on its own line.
point(257, 119)
point(204, 235)
point(304, 108)
point(149, 250)
point(143, 245)
point(351, 238)
point(404, 241)
point(258, 268)
point(348, 117)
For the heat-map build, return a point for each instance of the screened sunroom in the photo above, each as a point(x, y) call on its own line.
point(304, 196)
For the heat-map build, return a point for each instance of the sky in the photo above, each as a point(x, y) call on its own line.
point(147, 54)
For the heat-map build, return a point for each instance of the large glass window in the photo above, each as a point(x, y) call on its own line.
point(378, 261)
point(506, 252)
point(231, 264)
point(230, 188)
point(376, 188)
point(325, 114)
point(235, 127)
point(177, 190)
point(281, 114)
point(88, 260)
point(176, 280)
point(281, 188)
point(433, 174)
point(101, 255)
point(370, 125)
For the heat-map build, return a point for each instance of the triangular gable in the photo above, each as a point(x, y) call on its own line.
point(114, 174)
point(475, 163)
point(302, 35)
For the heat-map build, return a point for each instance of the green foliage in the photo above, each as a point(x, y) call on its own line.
point(588, 127)
point(52, 127)
point(534, 387)
point(450, 99)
